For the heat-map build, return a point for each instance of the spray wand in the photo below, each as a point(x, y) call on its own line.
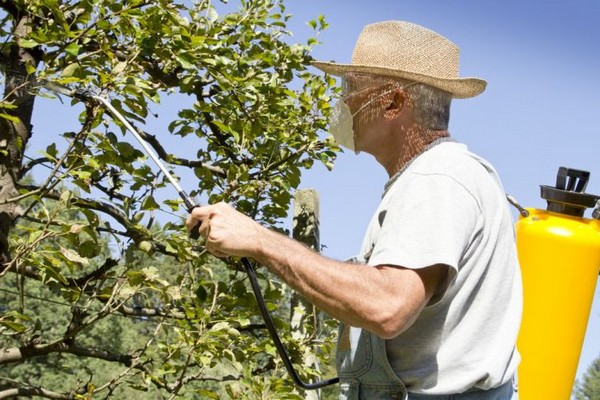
point(190, 204)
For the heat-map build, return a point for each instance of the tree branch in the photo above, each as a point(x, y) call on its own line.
point(18, 354)
point(28, 391)
point(225, 378)
point(31, 164)
point(216, 131)
point(151, 139)
point(87, 203)
point(96, 274)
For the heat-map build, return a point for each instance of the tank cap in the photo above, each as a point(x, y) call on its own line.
point(568, 196)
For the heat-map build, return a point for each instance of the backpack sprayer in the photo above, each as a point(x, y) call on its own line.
point(190, 204)
point(559, 254)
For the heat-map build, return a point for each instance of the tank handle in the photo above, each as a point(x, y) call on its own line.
point(524, 213)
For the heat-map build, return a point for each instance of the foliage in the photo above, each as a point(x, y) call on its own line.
point(101, 294)
point(589, 387)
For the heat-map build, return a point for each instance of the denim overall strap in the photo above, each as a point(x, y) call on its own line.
point(503, 392)
point(363, 367)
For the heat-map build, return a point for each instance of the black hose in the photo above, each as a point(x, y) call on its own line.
point(275, 337)
point(264, 312)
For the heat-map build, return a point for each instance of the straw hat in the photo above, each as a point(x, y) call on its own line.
point(406, 50)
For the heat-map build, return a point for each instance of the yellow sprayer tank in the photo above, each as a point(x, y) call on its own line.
point(559, 253)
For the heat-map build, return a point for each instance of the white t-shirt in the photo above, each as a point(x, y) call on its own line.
point(448, 207)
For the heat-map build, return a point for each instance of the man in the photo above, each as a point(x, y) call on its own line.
point(431, 308)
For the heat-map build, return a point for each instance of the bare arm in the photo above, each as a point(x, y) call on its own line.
point(384, 300)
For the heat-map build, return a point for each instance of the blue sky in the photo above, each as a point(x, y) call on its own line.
point(539, 112)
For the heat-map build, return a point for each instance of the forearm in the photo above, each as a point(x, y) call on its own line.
point(383, 299)
point(367, 297)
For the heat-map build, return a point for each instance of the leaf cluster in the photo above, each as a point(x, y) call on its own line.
point(102, 292)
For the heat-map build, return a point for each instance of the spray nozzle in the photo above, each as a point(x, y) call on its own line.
point(568, 196)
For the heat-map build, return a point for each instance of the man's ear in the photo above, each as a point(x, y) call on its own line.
point(397, 104)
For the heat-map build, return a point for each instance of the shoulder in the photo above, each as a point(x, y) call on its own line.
point(454, 161)
point(450, 158)
point(448, 175)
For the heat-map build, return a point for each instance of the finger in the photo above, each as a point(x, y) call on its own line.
point(197, 215)
point(210, 245)
point(204, 228)
point(190, 222)
point(216, 253)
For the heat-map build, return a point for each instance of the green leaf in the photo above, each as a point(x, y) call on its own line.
point(150, 204)
point(146, 246)
point(185, 61)
point(221, 326)
point(73, 49)
point(13, 326)
point(51, 151)
point(73, 256)
point(152, 275)
point(70, 70)
point(201, 294)
point(126, 292)
point(28, 43)
point(206, 394)
point(174, 293)
point(7, 105)
point(135, 278)
point(49, 274)
point(66, 196)
point(11, 118)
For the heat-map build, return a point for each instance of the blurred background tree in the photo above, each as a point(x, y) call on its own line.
point(588, 388)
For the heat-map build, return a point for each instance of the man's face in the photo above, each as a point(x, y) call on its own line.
point(366, 97)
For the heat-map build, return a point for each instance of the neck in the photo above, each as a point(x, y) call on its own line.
point(415, 143)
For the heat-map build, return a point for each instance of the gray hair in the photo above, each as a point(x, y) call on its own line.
point(432, 106)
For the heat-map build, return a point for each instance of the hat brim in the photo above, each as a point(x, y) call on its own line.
point(460, 88)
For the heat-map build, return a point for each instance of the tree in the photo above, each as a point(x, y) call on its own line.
point(101, 294)
point(589, 387)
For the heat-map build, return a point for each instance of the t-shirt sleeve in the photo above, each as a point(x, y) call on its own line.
point(431, 219)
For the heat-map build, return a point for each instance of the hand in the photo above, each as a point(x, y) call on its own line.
point(227, 231)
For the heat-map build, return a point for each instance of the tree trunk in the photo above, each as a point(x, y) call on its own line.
point(14, 132)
